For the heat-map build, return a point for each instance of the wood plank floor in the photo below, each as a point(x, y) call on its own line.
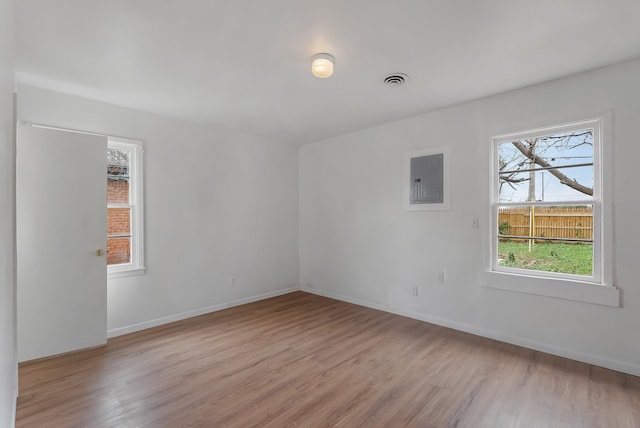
point(301, 360)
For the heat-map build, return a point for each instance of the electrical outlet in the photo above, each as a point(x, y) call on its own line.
point(233, 281)
point(414, 290)
point(441, 277)
point(476, 223)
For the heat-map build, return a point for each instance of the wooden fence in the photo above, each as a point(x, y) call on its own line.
point(571, 223)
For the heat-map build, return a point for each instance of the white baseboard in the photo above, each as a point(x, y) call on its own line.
point(12, 422)
point(595, 360)
point(194, 313)
point(16, 392)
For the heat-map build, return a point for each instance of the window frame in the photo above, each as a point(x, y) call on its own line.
point(598, 287)
point(136, 206)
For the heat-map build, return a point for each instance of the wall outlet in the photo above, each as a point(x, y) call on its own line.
point(233, 281)
point(441, 277)
point(414, 290)
point(476, 223)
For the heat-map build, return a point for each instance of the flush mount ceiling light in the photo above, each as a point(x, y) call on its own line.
point(322, 65)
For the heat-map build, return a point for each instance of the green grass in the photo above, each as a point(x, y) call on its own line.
point(551, 257)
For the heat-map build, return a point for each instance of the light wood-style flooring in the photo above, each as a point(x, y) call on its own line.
point(302, 360)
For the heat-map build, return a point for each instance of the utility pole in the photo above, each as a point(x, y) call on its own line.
point(532, 198)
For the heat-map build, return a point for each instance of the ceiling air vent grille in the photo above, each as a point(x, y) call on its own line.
point(396, 79)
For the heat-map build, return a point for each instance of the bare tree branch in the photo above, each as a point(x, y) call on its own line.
point(528, 152)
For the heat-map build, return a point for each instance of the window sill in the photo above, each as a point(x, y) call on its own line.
point(553, 287)
point(125, 272)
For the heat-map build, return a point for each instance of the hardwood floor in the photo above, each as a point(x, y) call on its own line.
point(301, 360)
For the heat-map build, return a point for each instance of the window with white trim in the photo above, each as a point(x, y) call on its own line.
point(547, 203)
point(125, 252)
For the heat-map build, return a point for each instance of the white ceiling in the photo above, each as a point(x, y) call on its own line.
point(246, 63)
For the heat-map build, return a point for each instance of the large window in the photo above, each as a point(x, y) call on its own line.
point(124, 208)
point(547, 207)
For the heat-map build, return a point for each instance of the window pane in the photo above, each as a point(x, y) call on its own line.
point(562, 238)
point(118, 250)
point(118, 221)
point(117, 192)
point(118, 176)
point(556, 167)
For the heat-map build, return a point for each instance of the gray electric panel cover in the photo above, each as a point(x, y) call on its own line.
point(427, 180)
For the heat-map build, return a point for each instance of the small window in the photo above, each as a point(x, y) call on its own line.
point(124, 208)
point(547, 204)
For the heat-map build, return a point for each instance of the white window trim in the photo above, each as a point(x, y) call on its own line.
point(136, 199)
point(599, 288)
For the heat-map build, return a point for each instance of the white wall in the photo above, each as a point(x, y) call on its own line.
point(217, 206)
point(8, 366)
point(358, 244)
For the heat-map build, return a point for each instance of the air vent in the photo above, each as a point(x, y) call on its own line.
point(396, 79)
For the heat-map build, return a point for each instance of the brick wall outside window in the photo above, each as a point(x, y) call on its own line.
point(118, 223)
